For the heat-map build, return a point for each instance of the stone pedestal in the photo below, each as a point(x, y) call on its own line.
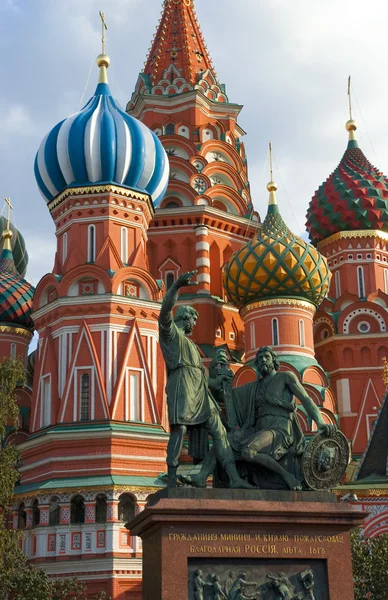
point(208, 538)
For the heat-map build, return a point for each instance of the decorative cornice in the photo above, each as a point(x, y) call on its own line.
point(278, 302)
point(359, 234)
point(84, 488)
point(367, 493)
point(98, 189)
point(18, 330)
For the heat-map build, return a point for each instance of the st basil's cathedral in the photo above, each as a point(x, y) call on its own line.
point(138, 196)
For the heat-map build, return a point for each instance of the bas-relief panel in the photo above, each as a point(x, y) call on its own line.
point(266, 579)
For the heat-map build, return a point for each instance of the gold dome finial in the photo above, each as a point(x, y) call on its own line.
point(103, 60)
point(271, 186)
point(351, 125)
point(7, 233)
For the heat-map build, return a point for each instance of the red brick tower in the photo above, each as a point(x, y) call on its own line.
point(98, 421)
point(207, 212)
point(347, 221)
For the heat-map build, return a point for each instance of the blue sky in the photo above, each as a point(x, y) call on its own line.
point(286, 61)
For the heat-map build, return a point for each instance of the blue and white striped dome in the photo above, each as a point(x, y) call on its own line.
point(102, 144)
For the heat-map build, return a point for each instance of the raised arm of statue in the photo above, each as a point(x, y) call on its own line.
point(311, 408)
point(171, 297)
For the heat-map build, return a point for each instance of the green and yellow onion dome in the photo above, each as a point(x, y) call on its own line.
point(276, 264)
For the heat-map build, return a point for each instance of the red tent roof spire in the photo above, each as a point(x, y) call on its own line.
point(178, 41)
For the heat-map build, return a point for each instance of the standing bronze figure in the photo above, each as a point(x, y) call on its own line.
point(189, 400)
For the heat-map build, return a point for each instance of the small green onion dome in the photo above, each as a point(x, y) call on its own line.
point(18, 246)
point(16, 293)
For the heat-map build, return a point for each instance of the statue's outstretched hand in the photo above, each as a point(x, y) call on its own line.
point(328, 430)
point(184, 280)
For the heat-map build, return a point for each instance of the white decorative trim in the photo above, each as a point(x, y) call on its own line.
point(363, 311)
point(343, 395)
point(202, 262)
point(203, 278)
point(201, 231)
point(202, 246)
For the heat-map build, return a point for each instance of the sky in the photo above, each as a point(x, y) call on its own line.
point(286, 61)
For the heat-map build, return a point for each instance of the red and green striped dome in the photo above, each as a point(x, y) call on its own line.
point(277, 264)
point(15, 293)
point(354, 197)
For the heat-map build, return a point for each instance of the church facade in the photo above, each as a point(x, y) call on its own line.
point(139, 196)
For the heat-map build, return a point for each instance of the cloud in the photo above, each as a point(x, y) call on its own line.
point(286, 62)
point(16, 120)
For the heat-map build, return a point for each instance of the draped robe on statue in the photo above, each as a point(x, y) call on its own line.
point(266, 405)
point(189, 401)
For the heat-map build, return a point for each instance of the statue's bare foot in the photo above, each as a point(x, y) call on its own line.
point(293, 483)
point(193, 480)
point(241, 484)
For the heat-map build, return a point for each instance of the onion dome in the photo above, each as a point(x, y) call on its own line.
point(101, 144)
point(18, 246)
point(15, 292)
point(276, 264)
point(354, 197)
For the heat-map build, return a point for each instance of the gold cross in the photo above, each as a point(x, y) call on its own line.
point(104, 27)
point(270, 160)
point(350, 98)
point(8, 202)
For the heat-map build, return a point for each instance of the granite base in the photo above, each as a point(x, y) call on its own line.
point(197, 541)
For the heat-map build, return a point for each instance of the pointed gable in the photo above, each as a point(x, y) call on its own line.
point(134, 394)
point(109, 257)
point(374, 461)
point(84, 362)
point(366, 416)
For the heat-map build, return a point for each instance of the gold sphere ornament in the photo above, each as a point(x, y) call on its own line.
point(103, 60)
point(351, 125)
point(272, 186)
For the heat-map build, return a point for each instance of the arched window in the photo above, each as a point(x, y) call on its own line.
point(172, 205)
point(101, 508)
point(13, 351)
point(54, 511)
point(301, 333)
point(85, 397)
point(127, 508)
point(22, 517)
point(124, 245)
point(35, 514)
point(170, 278)
point(337, 278)
point(77, 510)
point(91, 243)
point(170, 129)
point(275, 332)
point(253, 335)
point(64, 248)
point(361, 282)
